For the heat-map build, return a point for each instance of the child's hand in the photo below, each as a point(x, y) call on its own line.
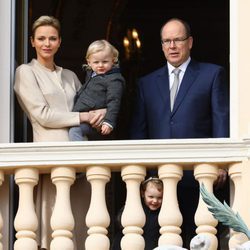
point(105, 130)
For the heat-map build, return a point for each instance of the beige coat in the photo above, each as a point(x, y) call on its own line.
point(47, 99)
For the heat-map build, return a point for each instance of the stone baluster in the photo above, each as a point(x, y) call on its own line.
point(1, 218)
point(26, 221)
point(235, 173)
point(62, 220)
point(204, 220)
point(133, 217)
point(170, 218)
point(97, 218)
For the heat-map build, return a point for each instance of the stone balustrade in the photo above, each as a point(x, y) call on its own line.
point(25, 161)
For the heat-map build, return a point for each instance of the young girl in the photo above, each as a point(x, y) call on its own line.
point(151, 193)
point(103, 88)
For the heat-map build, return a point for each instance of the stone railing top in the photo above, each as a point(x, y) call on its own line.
point(117, 153)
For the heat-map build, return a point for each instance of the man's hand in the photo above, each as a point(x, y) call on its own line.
point(221, 179)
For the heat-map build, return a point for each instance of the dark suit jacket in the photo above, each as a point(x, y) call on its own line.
point(201, 108)
point(101, 91)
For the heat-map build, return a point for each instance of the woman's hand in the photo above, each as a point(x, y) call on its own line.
point(96, 117)
point(84, 117)
point(93, 117)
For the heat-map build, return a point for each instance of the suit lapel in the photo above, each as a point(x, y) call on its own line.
point(190, 75)
point(162, 82)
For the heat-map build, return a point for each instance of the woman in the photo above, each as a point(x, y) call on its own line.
point(46, 92)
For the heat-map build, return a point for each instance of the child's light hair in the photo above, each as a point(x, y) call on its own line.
point(101, 45)
point(155, 181)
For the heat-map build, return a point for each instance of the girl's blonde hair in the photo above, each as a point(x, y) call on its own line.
point(101, 45)
point(155, 181)
point(46, 21)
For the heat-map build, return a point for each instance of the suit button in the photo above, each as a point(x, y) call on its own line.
point(172, 123)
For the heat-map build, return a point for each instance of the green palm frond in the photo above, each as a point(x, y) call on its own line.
point(223, 213)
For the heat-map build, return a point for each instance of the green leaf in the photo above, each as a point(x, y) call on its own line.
point(223, 213)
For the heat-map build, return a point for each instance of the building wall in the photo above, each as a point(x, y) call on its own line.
point(243, 64)
point(6, 51)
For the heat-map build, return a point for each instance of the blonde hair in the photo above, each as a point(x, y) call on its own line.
point(101, 45)
point(46, 21)
point(155, 181)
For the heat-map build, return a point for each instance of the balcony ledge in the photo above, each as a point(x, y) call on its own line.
point(123, 152)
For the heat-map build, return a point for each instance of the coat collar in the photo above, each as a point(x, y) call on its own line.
point(162, 82)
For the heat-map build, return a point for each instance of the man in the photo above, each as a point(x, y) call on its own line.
point(199, 108)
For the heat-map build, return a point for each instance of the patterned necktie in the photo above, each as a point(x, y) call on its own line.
point(173, 91)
